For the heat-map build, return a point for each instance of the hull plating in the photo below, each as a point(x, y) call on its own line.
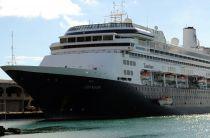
point(68, 96)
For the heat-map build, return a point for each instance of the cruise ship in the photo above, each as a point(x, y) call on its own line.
point(119, 69)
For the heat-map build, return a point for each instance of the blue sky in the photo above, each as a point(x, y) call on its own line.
point(38, 23)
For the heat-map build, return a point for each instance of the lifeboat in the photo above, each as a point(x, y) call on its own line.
point(182, 78)
point(146, 74)
point(201, 80)
point(170, 77)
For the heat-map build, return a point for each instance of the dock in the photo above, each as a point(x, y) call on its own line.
point(15, 103)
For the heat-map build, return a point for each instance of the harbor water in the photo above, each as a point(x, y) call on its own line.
point(170, 126)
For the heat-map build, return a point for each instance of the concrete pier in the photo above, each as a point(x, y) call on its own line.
point(14, 101)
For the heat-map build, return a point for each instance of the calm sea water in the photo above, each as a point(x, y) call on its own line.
point(172, 126)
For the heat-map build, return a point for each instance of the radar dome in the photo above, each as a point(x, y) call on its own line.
point(156, 28)
point(128, 20)
point(175, 41)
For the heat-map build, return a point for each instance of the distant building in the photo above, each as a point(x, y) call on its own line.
point(12, 97)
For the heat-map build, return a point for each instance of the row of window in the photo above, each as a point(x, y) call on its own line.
point(16, 91)
point(86, 39)
point(99, 26)
point(168, 47)
point(91, 45)
point(128, 72)
point(196, 99)
point(190, 94)
point(165, 60)
point(179, 56)
point(124, 79)
point(129, 63)
point(118, 31)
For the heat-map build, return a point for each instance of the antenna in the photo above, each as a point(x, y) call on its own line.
point(13, 62)
point(118, 12)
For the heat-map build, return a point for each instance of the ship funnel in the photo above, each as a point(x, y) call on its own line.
point(189, 38)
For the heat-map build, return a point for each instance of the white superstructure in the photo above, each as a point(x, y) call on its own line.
point(132, 53)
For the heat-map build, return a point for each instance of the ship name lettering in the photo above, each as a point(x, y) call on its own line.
point(92, 87)
point(148, 66)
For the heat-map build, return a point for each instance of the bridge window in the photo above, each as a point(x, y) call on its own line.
point(97, 38)
point(107, 37)
point(80, 39)
point(71, 39)
point(63, 40)
point(88, 38)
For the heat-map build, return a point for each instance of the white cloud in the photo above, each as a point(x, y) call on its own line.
point(69, 22)
point(47, 9)
point(90, 2)
point(72, 22)
point(63, 26)
point(134, 1)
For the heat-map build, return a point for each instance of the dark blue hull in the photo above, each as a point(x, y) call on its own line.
point(68, 96)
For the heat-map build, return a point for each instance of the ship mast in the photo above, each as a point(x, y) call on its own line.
point(118, 12)
point(13, 62)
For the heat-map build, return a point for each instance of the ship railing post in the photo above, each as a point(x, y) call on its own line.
point(5, 110)
point(205, 83)
point(176, 81)
point(23, 100)
point(4, 103)
point(164, 79)
point(152, 83)
point(4, 113)
point(187, 81)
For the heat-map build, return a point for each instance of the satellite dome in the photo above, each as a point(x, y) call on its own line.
point(175, 41)
point(128, 20)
